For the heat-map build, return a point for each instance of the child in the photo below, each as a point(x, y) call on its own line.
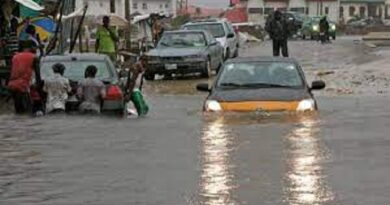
point(57, 88)
point(91, 91)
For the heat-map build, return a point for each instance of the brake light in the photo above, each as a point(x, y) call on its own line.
point(114, 93)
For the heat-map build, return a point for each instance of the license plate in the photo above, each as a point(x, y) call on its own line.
point(171, 66)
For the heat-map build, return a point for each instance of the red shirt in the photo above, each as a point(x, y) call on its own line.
point(22, 70)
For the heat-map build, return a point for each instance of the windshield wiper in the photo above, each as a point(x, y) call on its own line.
point(265, 85)
point(231, 84)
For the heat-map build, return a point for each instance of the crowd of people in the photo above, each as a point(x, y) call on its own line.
point(32, 94)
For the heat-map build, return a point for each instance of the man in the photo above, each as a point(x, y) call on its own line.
point(278, 30)
point(134, 87)
point(31, 35)
point(91, 91)
point(24, 64)
point(57, 88)
point(106, 39)
point(324, 29)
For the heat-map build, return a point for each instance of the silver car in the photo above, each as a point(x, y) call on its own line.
point(184, 52)
point(222, 30)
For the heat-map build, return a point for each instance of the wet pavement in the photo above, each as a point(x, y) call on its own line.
point(178, 155)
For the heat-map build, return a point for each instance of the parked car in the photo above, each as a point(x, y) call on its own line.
point(222, 30)
point(75, 65)
point(311, 28)
point(184, 52)
point(261, 84)
point(296, 19)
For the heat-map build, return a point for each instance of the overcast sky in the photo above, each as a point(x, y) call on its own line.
point(210, 3)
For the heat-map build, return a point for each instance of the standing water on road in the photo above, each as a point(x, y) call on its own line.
point(178, 155)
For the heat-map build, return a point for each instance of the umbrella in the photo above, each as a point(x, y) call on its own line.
point(44, 27)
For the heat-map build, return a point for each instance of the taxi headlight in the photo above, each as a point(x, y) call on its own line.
point(306, 105)
point(213, 106)
point(316, 28)
point(333, 27)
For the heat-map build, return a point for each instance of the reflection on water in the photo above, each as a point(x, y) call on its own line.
point(216, 179)
point(306, 182)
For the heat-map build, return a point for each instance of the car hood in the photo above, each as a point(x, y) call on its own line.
point(262, 94)
point(169, 52)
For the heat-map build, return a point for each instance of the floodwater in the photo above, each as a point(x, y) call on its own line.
point(179, 156)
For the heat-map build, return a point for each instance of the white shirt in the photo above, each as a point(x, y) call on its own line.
point(57, 88)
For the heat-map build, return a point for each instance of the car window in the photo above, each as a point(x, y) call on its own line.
point(230, 29)
point(215, 29)
point(75, 70)
point(261, 74)
point(183, 40)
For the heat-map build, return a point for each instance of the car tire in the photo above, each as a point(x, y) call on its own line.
point(303, 36)
point(334, 37)
point(227, 55)
point(207, 71)
point(149, 76)
point(235, 53)
point(312, 37)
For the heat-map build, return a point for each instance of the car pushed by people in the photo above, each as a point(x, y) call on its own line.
point(266, 84)
point(184, 52)
point(75, 66)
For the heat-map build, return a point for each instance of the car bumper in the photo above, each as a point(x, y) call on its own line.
point(107, 106)
point(177, 67)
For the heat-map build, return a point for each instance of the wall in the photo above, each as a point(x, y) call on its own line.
point(101, 7)
point(256, 17)
point(153, 6)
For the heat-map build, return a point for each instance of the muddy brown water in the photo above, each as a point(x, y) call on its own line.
point(177, 155)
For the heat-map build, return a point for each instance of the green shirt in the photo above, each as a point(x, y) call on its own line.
point(106, 43)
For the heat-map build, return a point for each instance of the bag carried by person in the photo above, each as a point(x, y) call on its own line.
point(138, 99)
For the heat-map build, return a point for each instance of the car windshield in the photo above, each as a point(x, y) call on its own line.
point(74, 70)
point(214, 29)
point(183, 40)
point(260, 75)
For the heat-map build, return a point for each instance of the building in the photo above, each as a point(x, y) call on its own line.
point(154, 6)
point(125, 8)
point(336, 10)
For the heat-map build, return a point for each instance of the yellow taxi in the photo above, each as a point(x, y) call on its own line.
point(261, 84)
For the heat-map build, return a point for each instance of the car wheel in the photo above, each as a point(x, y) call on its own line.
point(227, 56)
point(235, 53)
point(303, 37)
point(207, 71)
point(334, 37)
point(150, 76)
point(312, 37)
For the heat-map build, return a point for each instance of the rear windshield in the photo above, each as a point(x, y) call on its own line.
point(75, 70)
point(216, 29)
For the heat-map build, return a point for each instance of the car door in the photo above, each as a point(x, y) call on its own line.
point(214, 50)
point(233, 42)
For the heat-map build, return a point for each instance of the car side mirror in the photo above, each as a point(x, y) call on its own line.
point(204, 87)
point(317, 85)
point(230, 35)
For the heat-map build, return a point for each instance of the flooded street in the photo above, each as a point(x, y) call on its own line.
point(177, 155)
